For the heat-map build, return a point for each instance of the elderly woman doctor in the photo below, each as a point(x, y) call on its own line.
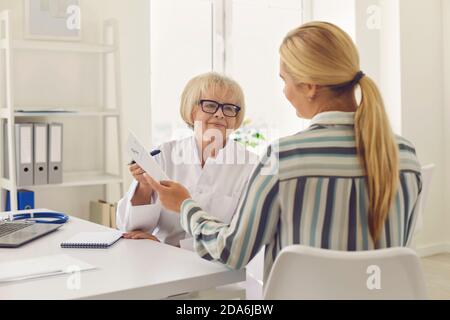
point(214, 168)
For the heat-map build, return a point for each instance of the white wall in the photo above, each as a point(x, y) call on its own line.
point(48, 79)
point(446, 43)
point(422, 95)
point(339, 12)
point(134, 25)
point(390, 61)
point(367, 36)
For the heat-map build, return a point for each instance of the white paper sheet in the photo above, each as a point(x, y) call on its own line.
point(45, 266)
point(142, 157)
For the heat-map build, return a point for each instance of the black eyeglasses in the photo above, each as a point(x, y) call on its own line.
point(211, 107)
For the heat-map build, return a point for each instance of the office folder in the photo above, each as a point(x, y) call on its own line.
point(25, 200)
point(113, 220)
point(103, 213)
point(24, 154)
point(40, 154)
point(55, 158)
point(5, 153)
point(100, 213)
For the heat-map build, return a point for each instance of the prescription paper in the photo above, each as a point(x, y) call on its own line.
point(143, 158)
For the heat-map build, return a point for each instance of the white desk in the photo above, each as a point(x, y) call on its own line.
point(131, 269)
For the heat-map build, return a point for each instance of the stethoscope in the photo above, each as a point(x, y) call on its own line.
point(50, 217)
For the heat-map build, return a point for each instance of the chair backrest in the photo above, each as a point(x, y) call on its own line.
point(302, 272)
point(427, 173)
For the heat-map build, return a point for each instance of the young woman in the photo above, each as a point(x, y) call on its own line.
point(212, 166)
point(346, 183)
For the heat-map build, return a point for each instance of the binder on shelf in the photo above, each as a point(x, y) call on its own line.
point(24, 154)
point(103, 213)
point(6, 151)
point(99, 213)
point(25, 200)
point(113, 220)
point(40, 154)
point(55, 158)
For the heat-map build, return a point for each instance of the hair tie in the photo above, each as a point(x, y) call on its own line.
point(348, 85)
point(358, 78)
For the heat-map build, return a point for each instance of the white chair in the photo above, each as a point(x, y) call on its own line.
point(427, 173)
point(302, 272)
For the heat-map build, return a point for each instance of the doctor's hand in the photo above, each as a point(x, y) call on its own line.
point(171, 194)
point(143, 193)
point(139, 235)
point(137, 173)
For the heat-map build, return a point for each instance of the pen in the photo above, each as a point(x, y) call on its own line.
point(33, 276)
point(153, 154)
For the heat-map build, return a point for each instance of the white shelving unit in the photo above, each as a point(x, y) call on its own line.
point(10, 112)
point(75, 114)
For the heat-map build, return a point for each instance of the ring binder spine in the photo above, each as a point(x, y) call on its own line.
point(97, 245)
point(85, 246)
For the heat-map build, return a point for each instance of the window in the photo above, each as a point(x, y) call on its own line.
point(239, 38)
point(181, 47)
point(256, 30)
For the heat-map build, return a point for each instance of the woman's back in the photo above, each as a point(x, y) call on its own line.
point(316, 196)
point(323, 193)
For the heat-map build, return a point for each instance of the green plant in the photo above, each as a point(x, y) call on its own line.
point(249, 136)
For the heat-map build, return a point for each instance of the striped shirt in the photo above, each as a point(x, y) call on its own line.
point(317, 197)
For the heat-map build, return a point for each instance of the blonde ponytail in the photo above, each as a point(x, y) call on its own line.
point(323, 54)
point(378, 152)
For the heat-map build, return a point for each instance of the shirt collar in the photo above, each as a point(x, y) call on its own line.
point(334, 118)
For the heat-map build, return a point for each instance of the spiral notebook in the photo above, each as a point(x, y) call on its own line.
point(93, 240)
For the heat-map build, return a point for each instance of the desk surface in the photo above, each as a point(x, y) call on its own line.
point(131, 269)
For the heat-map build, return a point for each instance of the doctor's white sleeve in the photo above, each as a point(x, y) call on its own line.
point(253, 226)
point(131, 218)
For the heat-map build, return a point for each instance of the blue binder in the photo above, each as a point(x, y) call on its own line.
point(25, 200)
